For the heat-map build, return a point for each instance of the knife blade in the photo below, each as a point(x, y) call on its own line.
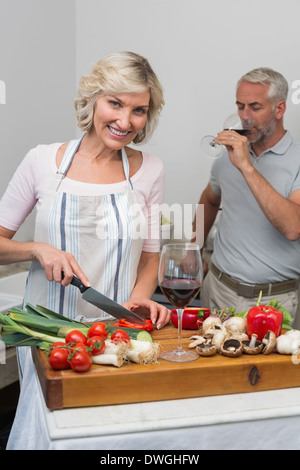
point(95, 297)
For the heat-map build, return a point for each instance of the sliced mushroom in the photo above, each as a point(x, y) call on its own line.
point(231, 348)
point(269, 342)
point(252, 346)
point(196, 340)
point(207, 349)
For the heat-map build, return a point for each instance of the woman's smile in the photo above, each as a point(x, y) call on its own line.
point(119, 118)
point(116, 132)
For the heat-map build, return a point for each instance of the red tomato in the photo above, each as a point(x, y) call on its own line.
point(120, 335)
point(58, 343)
point(97, 344)
point(58, 358)
point(81, 361)
point(77, 347)
point(97, 329)
point(76, 336)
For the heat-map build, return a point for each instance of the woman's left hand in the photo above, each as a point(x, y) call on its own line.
point(158, 314)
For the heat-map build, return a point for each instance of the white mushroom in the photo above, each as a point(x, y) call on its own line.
point(196, 340)
point(240, 336)
point(235, 325)
point(232, 348)
point(207, 349)
point(252, 346)
point(210, 324)
point(269, 342)
point(219, 337)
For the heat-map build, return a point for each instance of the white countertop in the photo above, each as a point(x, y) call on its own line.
point(172, 414)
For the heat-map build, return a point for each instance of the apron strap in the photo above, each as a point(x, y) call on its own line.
point(126, 168)
point(69, 155)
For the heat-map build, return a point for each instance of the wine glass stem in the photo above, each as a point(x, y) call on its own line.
point(179, 315)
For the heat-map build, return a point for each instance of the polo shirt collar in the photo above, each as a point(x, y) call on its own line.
point(281, 147)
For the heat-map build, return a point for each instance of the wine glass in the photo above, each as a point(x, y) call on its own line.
point(210, 144)
point(180, 277)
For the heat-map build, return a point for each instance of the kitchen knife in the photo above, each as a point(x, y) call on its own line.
point(105, 303)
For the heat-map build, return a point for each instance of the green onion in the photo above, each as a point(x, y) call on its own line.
point(36, 326)
point(50, 326)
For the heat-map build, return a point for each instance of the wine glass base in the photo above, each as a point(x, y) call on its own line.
point(179, 356)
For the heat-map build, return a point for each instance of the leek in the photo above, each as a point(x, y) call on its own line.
point(18, 339)
point(36, 326)
point(46, 325)
point(45, 312)
point(11, 331)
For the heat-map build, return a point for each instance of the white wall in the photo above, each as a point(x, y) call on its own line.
point(198, 48)
point(37, 65)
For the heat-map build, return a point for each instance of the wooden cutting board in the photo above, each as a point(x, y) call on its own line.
point(136, 383)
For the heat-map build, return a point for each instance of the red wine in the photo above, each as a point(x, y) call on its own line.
point(240, 131)
point(180, 292)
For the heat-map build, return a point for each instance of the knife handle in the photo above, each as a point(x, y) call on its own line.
point(77, 283)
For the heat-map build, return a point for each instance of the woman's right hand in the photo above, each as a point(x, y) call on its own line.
point(55, 261)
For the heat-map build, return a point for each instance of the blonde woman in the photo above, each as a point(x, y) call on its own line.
point(97, 199)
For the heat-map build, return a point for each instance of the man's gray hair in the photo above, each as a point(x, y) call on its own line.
point(278, 86)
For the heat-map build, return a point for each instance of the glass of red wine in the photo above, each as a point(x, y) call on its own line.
point(180, 278)
point(210, 144)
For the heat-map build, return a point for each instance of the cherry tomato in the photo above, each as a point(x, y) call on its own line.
point(76, 336)
point(77, 347)
point(120, 335)
point(81, 361)
point(58, 358)
point(58, 343)
point(97, 329)
point(97, 344)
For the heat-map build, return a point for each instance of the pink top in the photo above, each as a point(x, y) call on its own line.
point(30, 183)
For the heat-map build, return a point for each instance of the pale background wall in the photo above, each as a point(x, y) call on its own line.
point(38, 66)
point(198, 48)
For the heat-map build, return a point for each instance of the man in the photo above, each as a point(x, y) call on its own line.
point(257, 181)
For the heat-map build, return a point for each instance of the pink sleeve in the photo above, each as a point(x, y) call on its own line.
point(20, 197)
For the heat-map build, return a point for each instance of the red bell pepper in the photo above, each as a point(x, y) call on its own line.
point(192, 317)
point(262, 318)
point(128, 324)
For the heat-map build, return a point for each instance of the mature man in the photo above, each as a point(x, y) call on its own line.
point(257, 182)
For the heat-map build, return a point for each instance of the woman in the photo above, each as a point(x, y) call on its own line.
point(97, 211)
point(97, 200)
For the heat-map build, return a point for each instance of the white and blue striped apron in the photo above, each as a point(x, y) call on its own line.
point(104, 233)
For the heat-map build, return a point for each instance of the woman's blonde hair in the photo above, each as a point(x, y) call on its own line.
point(122, 72)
